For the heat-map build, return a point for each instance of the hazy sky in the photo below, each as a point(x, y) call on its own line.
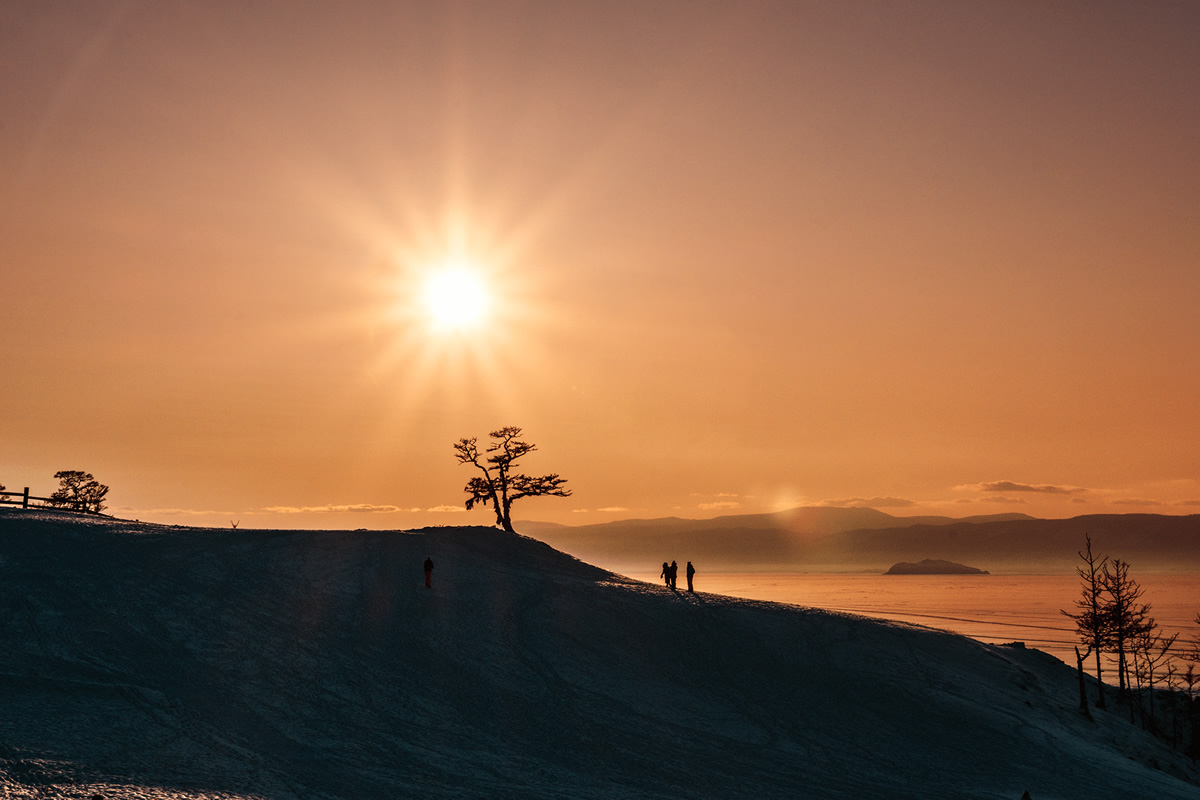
point(931, 257)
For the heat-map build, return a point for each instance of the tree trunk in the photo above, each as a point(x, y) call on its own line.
point(1083, 703)
point(1099, 683)
point(1150, 701)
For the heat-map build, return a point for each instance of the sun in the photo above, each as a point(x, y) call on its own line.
point(456, 297)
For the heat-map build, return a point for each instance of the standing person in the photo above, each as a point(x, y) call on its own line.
point(666, 574)
point(690, 572)
point(673, 573)
point(428, 573)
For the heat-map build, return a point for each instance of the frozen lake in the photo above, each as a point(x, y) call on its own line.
point(991, 608)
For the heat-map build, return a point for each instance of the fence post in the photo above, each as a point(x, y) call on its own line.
point(25, 499)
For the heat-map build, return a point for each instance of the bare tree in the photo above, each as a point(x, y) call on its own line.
point(499, 484)
point(1090, 618)
point(1125, 613)
point(79, 490)
point(1173, 679)
point(1151, 655)
point(1191, 679)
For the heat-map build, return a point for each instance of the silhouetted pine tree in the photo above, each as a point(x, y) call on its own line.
point(80, 491)
point(1151, 656)
point(1126, 616)
point(499, 485)
point(1090, 619)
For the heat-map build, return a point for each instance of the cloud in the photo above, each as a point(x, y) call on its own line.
point(1010, 486)
point(354, 508)
point(1137, 501)
point(719, 504)
point(173, 512)
point(445, 509)
point(1190, 503)
point(1015, 501)
point(613, 508)
point(869, 502)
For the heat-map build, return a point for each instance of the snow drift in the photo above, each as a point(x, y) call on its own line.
point(158, 662)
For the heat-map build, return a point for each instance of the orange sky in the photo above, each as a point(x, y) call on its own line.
point(930, 257)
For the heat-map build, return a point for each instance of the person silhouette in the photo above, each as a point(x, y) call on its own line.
point(666, 574)
point(428, 573)
point(690, 572)
point(673, 574)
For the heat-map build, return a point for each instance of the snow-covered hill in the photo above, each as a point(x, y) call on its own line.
point(157, 662)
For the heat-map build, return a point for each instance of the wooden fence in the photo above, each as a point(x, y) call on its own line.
point(26, 500)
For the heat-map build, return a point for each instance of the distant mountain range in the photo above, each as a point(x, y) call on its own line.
point(852, 539)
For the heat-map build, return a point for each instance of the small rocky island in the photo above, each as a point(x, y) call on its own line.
point(932, 566)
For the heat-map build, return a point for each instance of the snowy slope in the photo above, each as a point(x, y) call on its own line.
point(157, 662)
